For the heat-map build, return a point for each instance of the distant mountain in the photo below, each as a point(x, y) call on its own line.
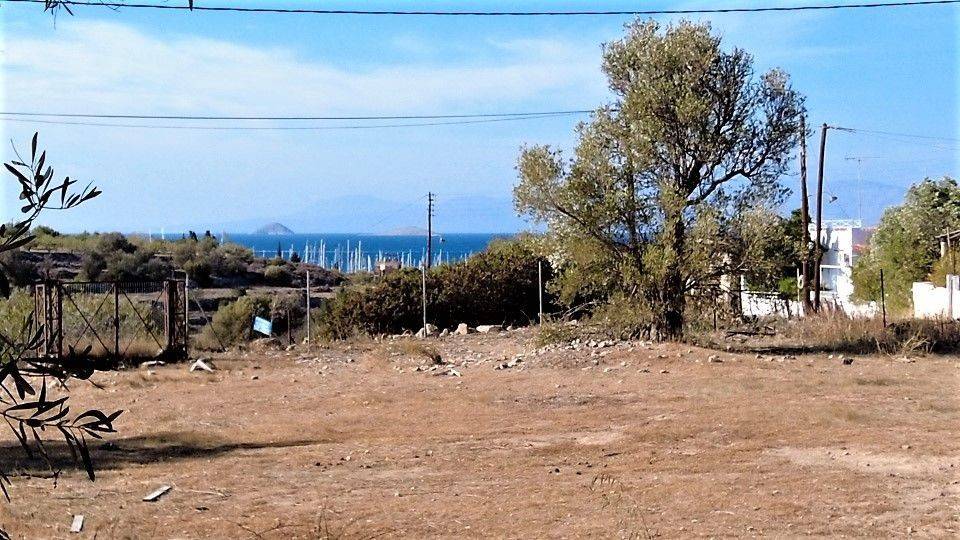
point(273, 228)
point(408, 231)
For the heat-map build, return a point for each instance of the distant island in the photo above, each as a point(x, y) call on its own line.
point(274, 229)
point(409, 231)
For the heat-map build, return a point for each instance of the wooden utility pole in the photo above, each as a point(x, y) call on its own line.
point(805, 220)
point(818, 253)
point(429, 229)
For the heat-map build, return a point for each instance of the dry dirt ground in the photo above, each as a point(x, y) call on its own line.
point(643, 441)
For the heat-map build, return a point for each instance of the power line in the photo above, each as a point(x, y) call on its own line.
point(285, 118)
point(282, 128)
point(894, 134)
point(238, 9)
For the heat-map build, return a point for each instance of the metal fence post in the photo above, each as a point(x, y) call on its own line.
point(116, 319)
point(308, 307)
point(883, 299)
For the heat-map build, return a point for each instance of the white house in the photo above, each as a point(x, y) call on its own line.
point(845, 239)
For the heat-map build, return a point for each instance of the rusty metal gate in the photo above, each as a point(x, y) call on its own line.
point(116, 320)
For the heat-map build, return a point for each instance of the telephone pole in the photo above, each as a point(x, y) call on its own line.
point(805, 220)
point(429, 229)
point(818, 257)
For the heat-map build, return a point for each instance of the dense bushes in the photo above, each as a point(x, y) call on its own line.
point(114, 258)
point(205, 258)
point(232, 323)
point(496, 286)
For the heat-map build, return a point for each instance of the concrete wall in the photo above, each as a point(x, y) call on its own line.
point(931, 302)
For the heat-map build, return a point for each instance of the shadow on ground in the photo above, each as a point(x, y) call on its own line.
point(116, 453)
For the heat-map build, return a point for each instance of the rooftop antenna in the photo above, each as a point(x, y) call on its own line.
point(859, 160)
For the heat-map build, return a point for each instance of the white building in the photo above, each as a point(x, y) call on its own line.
point(845, 240)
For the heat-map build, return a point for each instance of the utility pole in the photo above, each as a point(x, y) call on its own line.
point(429, 229)
point(805, 220)
point(819, 245)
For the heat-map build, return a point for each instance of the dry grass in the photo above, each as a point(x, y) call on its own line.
point(875, 381)
point(419, 349)
point(839, 333)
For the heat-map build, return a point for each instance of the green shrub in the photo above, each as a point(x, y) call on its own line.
point(278, 275)
point(232, 323)
point(14, 312)
point(498, 286)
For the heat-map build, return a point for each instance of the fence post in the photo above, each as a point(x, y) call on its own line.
point(116, 319)
point(423, 270)
point(540, 287)
point(186, 313)
point(883, 299)
point(56, 289)
point(308, 308)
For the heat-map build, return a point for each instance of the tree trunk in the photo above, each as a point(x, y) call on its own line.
point(672, 297)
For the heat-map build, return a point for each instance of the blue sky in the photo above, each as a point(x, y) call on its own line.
point(893, 70)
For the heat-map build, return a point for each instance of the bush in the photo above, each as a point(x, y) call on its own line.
point(498, 286)
point(14, 311)
point(232, 323)
point(278, 275)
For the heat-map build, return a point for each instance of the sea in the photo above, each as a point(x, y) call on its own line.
point(354, 252)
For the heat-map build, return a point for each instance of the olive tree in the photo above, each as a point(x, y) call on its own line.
point(29, 405)
point(663, 177)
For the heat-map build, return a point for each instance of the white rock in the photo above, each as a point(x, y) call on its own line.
point(462, 329)
point(488, 328)
point(429, 330)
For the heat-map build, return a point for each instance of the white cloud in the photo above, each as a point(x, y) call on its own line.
point(91, 66)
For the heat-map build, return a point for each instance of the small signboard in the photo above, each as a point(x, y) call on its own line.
point(263, 326)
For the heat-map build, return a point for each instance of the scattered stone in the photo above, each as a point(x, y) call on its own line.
point(847, 361)
point(462, 329)
point(511, 364)
point(151, 363)
point(77, 524)
point(715, 359)
point(445, 333)
point(662, 371)
point(203, 364)
point(429, 330)
point(488, 328)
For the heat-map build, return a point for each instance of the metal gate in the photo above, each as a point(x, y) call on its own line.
point(116, 320)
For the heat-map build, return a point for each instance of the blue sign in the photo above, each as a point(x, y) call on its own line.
point(263, 326)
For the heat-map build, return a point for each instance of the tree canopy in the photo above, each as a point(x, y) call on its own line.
point(667, 181)
point(905, 244)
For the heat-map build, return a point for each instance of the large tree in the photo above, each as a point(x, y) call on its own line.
point(663, 176)
point(905, 246)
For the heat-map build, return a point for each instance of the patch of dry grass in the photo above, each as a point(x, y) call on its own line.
point(875, 381)
point(857, 335)
point(419, 349)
